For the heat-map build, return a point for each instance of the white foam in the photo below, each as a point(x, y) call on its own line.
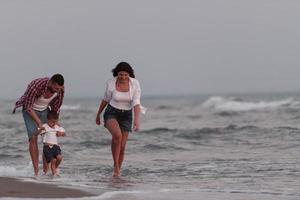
point(137, 194)
point(143, 109)
point(10, 171)
point(230, 104)
point(106, 195)
point(70, 107)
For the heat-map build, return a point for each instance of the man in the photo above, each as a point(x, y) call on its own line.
point(41, 95)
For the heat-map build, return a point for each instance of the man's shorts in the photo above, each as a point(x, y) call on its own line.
point(30, 124)
point(123, 117)
point(51, 152)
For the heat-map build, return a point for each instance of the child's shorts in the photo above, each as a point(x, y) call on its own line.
point(51, 152)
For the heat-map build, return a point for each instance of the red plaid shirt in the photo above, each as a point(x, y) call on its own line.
point(36, 89)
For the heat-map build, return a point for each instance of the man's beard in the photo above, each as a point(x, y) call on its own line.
point(50, 89)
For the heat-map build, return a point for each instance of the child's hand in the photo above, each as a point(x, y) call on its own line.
point(60, 134)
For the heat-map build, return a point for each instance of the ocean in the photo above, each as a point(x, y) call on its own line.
point(189, 147)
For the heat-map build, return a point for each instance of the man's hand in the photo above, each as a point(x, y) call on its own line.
point(40, 130)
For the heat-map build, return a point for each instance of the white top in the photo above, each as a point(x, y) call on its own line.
point(123, 100)
point(49, 134)
point(42, 103)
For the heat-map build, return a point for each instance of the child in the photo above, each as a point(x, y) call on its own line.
point(51, 151)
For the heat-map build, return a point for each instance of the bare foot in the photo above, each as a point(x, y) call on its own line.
point(57, 171)
point(116, 173)
point(56, 175)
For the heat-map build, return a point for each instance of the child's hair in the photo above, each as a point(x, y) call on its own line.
point(52, 115)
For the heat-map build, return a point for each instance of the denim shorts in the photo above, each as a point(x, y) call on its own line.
point(123, 117)
point(50, 152)
point(30, 124)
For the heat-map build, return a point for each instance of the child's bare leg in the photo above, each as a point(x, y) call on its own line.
point(53, 167)
point(45, 165)
point(59, 158)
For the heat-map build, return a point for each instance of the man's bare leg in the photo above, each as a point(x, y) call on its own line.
point(34, 153)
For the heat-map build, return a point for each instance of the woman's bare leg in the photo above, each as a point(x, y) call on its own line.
point(123, 145)
point(113, 126)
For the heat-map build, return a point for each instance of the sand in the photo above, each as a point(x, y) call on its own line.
point(11, 187)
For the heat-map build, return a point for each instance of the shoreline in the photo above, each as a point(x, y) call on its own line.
point(13, 187)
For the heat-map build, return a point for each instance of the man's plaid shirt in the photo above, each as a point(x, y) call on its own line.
point(35, 90)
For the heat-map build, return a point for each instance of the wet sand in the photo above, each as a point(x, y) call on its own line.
point(11, 187)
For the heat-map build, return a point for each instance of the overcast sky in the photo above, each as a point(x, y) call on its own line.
point(175, 46)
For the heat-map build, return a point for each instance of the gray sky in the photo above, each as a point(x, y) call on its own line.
point(176, 47)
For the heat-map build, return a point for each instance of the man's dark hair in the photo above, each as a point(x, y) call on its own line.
point(58, 78)
point(123, 66)
point(52, 115)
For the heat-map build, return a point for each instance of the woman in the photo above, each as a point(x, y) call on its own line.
point(122, 95)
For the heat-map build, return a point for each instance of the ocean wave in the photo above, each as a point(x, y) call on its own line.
point(94, 143)
point(8, 156)
point(228, 105)
point(158, 130)
point(158, 147)
point(287, 128)
point(199, 133)
point(164, 107)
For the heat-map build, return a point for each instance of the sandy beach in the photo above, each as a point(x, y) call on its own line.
point(11, 187)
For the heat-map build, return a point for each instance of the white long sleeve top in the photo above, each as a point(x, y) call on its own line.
point(123, 100)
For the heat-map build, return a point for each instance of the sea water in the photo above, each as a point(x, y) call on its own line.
point(189, 147)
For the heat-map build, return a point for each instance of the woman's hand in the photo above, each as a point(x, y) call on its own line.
point(98, 122)
point(136, 112)
point(136, 125)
